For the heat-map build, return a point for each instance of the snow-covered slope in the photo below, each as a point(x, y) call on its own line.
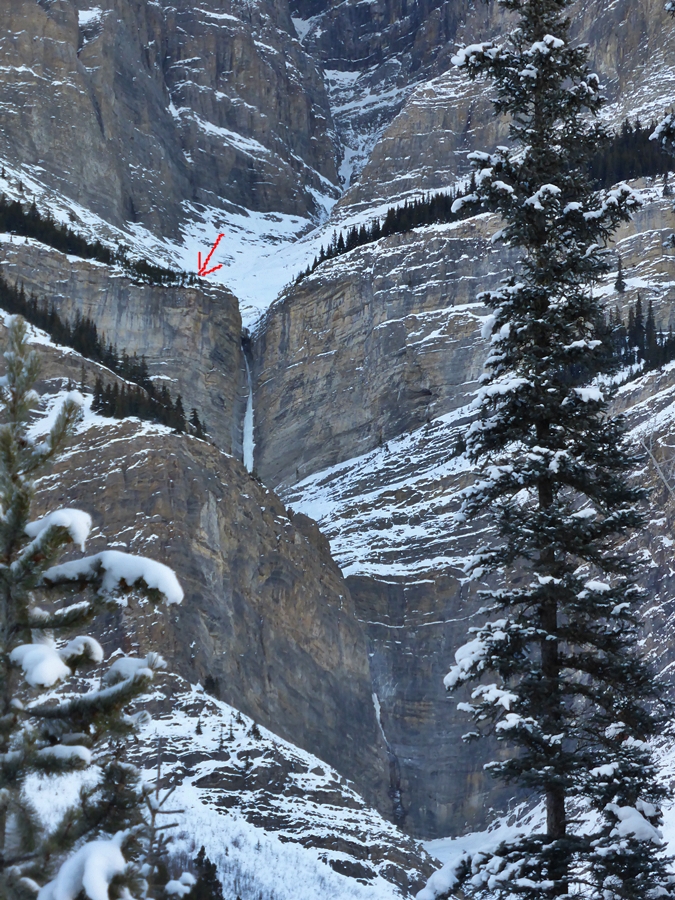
point(279, 823)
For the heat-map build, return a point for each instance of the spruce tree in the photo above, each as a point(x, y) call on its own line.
point(556, 669)
point(620, 284)
point(208, 885)
point(52, 720)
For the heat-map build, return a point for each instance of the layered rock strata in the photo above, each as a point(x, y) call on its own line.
point(136, 109)
point(237, 769)
point(375, 343)
point(446, 116)
point(388, 512)
point(190, 337)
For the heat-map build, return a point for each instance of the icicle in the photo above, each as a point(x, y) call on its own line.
point(248, 441)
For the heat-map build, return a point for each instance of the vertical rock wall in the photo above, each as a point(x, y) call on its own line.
point(190, 337)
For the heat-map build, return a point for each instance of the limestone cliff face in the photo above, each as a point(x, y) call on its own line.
point(190, 336)
point(267, 623)
point(425, 146)
point(389, 516)
point(136, 109)
point(387, 337)
point(375, 343)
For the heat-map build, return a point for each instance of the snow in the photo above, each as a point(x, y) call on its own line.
point(76, 522)
point(467, 54)
point(549, 43)
point(600, 587)
point(261, 254)
point(466, 658)
point(513, 721)
point(633, 824)
point(302, 26)
point(120, 568)
point(263, 251)
point(41, 663)
point(442, 881)
point(452, 850)
point(181, 886)
point(129, 667)
point(67, 752)
point(248, 438)
point(86, 17)
point(537, 200)
point(389, 512)
point(491, 693)
point(84, 646)
point(258, 863)
point(90, 869)
point(252, 860)
point(244, 144)
point(589, 394)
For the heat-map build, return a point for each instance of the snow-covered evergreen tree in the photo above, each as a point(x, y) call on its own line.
point(557, 671)
point(48, 728)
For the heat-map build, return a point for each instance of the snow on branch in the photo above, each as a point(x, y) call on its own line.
point(444, 880)
point(472, 53)
point(632, 823)
point(544, 47)
point(90, 870)
point(67, 753)
point(469, 658)
point(180, 887)
point(545, 192)
point(664, 132)
point(43, 665)
point(76, 522)
point(117, 569)
point(129, 667)
point(589, 394)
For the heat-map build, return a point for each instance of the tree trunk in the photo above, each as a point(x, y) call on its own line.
point(556, 816)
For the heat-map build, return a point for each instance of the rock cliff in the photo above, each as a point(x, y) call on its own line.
point(374, 343)
point(190, 337)
point(268, 622)
point(139, 111)
point(445, 117)
point(362, 371)
point(388, 513)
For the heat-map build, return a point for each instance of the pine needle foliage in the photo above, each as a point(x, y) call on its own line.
point(207, 885)
point(557, 671)
point(29, 222)
point(51, 723)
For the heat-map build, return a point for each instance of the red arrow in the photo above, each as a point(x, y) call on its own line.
point(202, 270)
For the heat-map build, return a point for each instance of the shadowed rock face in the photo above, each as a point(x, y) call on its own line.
point(267, 622)
point(141, 108)
point(413, 630)
point(189, 336)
